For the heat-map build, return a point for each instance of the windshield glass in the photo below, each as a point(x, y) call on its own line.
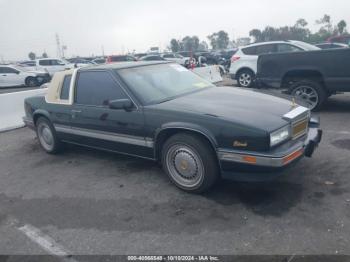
point(158, 83)
point(21, 68)
point(306, 46)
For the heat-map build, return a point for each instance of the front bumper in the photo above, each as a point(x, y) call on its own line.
point(28, 123)
point(257, 166)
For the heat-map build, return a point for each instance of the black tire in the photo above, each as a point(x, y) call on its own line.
point(245, 78)
point(306, 90)
point(31, 82)
point(190, 162)
point(47, 136)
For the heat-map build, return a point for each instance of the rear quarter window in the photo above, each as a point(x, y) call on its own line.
point(249, 50)
point(65, 87)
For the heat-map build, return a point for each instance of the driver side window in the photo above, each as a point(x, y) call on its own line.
point(9, 70)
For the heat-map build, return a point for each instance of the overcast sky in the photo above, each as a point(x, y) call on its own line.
point(124, 25)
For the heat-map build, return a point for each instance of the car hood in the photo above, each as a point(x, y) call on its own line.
point(238, 105)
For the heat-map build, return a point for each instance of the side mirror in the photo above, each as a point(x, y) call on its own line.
point(125, 104)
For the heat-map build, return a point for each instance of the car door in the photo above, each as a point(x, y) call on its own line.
point(95, 124)
point(57, 65)
point(45, 64)
point(11, 77)
point(249, 59)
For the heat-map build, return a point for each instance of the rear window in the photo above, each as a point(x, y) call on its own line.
point(249, 50)
point(65, 87)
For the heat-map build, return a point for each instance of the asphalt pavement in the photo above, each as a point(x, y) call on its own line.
point(84, 201)
point(4, 90)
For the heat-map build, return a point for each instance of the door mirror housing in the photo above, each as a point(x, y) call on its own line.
point(125, 104)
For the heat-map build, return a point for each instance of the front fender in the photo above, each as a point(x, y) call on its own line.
point(40, 112)
point(189, 127)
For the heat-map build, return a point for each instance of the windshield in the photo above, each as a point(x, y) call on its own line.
point(21, 68)
point(158, 83)
point(306, 46)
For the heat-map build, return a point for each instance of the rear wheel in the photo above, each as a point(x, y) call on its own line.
point(310, 92)
point(47, 136)
point(190, 162)
point(245, 78)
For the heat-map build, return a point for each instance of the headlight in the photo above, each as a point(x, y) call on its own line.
point(279, 135)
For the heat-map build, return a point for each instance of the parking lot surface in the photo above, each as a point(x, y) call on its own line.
point(93, 202)
point(4, 90)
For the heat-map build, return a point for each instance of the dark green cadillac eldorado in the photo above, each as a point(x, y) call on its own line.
point(163, 112)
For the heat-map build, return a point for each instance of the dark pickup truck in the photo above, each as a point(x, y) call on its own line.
point(310, 76)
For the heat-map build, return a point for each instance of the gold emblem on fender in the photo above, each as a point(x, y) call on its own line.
point(240, 144)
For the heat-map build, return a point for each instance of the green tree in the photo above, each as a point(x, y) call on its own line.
point(219, 40)
point(256, 34)
point(32, 56)
point(301, 22)
point(341, 27)
point(190, 43)
point(203, 46)
point(175, 45)
point(326, 24)
point(44, 55)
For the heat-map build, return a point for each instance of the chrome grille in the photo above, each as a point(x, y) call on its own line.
point(299, 128)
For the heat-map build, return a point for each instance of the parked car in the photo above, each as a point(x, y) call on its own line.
point(12, 75)
point(152, 58)
point(139, 55)
point(244, 61)
point(310, 76)
point(345, 39)
point(186, 54)
point(120, 58)
point(163, 112)
point(99, 60)
point(52, 65)
point(328, 45)
point(79, 62)
point(174, 58)
point(30, 63)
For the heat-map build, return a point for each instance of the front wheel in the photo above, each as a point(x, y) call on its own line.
point(245, 78)
point(190, 162)
point(310, 92)
point(31, 82)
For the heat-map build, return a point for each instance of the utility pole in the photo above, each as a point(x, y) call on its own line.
point(58, 46)
point(103, 50)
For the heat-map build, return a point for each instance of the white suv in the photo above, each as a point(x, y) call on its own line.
point(52, 65)
point(244, 61)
